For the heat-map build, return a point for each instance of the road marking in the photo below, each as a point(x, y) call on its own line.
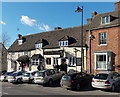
point(8, 87)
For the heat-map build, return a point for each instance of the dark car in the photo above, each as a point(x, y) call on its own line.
point(76, 80)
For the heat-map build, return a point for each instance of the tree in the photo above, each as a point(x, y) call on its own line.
point(4, 38)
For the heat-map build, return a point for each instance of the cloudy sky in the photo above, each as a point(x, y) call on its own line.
point(34, 17)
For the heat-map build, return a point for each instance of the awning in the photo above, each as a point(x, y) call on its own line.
point(37, 56)
point(23, 59)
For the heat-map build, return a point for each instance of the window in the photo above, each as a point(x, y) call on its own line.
point(101, 62)
point(72, 61)
point(55, 61)
point(20, 42)
point(105, 20)
point(63, 43)
point(36, 61)
point(48, 61)
point(39, 45)
point(102, 38)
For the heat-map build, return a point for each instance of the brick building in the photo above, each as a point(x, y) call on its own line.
point(103, 40)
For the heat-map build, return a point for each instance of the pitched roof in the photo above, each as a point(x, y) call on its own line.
point(52, 37)
point(96, 20)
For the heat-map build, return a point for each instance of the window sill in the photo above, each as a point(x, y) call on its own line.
point(102, 45)
point(100, 69)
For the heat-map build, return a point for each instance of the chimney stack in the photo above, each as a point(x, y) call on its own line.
point(94, 13)
point(19, 36)
point(117, 5)
point(89, 21)
point(57, 28)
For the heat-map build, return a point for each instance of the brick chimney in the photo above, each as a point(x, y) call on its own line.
point(89, 21)
point(57, 28)
point(94, 13)
point(117, 5)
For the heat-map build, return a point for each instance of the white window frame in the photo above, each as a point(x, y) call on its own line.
point(38, 45)
point(104, 18)
point(72, 61)
point(102, 34)
point(95, 57)
point(55, 60)
point(20, 42)
point(63, 43)
point(37, 62)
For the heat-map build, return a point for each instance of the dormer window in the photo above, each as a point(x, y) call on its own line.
point(20, 42)
point(105, 20)
point(63, 43)
point(38, 45)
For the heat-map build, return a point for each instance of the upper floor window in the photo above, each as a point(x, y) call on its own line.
point(38, 45)
point(63, 43)
point(48, 61)
point(105, 20)
point(20, 42)
point(102, 38)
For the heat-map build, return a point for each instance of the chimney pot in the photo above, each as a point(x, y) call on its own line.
point(94, 13)
point(19, 36)
point(57, 28)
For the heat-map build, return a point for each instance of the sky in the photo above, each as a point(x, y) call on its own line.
point(35, 17)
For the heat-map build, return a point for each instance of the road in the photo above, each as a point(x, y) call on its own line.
point(34, 89)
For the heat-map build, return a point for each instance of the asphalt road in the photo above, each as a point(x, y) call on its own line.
point(34, 89)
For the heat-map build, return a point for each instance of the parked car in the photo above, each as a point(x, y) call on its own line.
point(29, 76)
point(16, 77)
point(46, 77)
point(4, 76)
point(106, 80)
point(75, 81)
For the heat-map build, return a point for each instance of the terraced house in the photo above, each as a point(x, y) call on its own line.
point(101, 39)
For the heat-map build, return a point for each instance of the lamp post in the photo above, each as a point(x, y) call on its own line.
point(82, 52)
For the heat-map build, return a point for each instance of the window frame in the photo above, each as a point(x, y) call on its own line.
point(104, 20)
point(38, 45)
point(63, 43)
point(102, 38)
point(106, 62)
point(48, 62)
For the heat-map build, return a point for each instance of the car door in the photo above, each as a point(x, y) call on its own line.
point(115, 79)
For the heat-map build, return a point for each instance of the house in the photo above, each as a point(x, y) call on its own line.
point(103, 40)
point(47, 49)
point(101, 48)
point(3, 58)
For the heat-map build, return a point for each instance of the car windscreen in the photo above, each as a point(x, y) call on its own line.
point(39, 74)
point(13, 74)
point(27, 75)
point(66, 77)
point(101, 76)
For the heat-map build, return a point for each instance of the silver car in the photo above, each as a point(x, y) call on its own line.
point(16, 77)
point(106, 80)
point(29, 76)
point(46, 77)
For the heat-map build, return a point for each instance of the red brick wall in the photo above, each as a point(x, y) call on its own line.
point(113, 44)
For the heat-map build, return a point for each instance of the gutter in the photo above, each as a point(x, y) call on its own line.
point(103, 27)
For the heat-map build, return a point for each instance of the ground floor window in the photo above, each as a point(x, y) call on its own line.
point(103, 60)
point(48, 61)
point(55, 61)
point(36, 61)
point(72, 61)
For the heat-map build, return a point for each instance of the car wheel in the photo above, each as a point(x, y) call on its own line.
point(113, 88)
point(78, 87)
point(19, 81)
point(50, 83)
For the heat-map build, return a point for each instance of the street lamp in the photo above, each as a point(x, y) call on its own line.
point(82, 52)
